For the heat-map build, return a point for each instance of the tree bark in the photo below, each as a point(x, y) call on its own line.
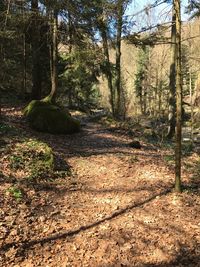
point(172, 82)
point(35, 47)
point(24, 66)
point(70, 33)
point(192, 108)
point(178, 98)
point(118, 57)
point(54, 76)
point(7, 13)
point(108, 72)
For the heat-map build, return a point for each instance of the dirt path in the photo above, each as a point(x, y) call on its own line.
point(115, 210)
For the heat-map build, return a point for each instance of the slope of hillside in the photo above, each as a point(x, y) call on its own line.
point(158, 69)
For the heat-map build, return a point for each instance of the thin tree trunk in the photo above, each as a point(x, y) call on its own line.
point(178, 99)
point(50, 19)
point(172, 83)
point(24, 57)
point(51, 61)
point(2, 54)
point(70, 51)
point(141, 100)
point(3, 44)
point(35, 47)
point(118, 57)
point(54, 78)
point(145, 98)
point(156, 98)
point(160, 99)
point(24, 65)
point(191, 90)
point(7, 13)
point(192, 109)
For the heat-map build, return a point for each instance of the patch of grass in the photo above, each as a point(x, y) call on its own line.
point(15, 192)
point(169, 158)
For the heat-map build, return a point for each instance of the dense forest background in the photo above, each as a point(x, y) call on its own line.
point(92, 40)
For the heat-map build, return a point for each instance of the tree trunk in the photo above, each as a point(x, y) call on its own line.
point(118, 58)
point(172, 82)
point(192, 108)
point(24, 66)
point(160, 99)
point(35, 47)
point(178, 98)
point(108, 71)
point(7, 13)
point(70, 89)
point(24, 57)
point(54, 76)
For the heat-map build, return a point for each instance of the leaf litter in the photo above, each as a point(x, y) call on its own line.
point(116, 208)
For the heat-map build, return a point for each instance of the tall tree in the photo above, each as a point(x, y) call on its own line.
point(103, 29)
point(120, 12)
point(54, 75)
point(177, 9)
point(172, 79)
point(120, 23)
point(35, 47)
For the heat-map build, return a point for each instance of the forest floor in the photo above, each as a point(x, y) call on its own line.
point(117, 208)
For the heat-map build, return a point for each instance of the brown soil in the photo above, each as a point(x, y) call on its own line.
point(116, 209)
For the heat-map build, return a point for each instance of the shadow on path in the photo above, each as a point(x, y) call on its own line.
point(28, 244)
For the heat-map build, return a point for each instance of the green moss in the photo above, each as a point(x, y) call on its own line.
point(46, 117)
point(34, 158)
point(169, 158)
point(15, 192)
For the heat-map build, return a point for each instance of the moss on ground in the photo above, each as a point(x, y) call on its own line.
point(33, 158)
point(46, 117)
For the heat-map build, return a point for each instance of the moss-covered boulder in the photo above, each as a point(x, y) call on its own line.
point(46, 117)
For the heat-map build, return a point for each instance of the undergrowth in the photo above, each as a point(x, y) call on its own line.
point(33, 158)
